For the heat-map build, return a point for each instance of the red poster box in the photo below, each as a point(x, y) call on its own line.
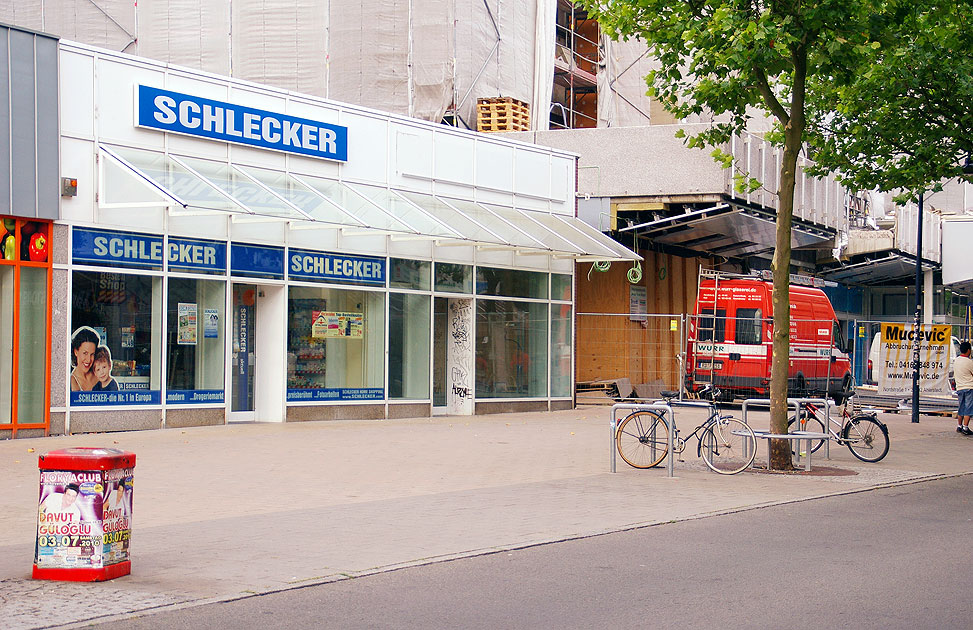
point(84, 514)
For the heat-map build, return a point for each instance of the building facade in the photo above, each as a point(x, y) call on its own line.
point(225, 251)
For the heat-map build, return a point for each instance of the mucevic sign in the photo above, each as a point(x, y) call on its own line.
point(896, 359)
point(196, 116)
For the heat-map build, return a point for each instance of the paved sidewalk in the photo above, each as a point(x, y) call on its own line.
point(224, 512)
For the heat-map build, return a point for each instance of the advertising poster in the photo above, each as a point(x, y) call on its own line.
point(211, 323)
point(637, 303)
point(895, 367)
point(187, 324)
point(330, 324)
point(127, 334)
point(83, 518)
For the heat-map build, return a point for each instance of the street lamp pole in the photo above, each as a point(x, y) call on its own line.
point(918, 322)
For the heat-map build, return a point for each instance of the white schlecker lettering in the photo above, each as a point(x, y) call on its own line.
point(189, 114)
point(213, 119)
point(165, 105)
point(327, 140)
point(192, 254)
point(271, 135)
point(333, 266)
point(251, 126)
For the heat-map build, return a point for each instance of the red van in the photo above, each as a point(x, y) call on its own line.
point(730, 340)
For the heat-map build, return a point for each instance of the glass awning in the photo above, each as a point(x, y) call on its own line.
point(139, 178)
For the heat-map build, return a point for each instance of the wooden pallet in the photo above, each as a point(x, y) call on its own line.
point(502, 114)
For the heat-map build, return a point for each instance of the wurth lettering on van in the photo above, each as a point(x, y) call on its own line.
point(730, 340)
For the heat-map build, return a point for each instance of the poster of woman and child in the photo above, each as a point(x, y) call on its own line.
point(92, 382)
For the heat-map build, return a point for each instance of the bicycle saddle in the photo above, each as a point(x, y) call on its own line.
point(669, 394)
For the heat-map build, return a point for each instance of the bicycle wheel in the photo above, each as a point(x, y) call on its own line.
point(643, 439)
point(809, 422)
point(728, 446)
point(867, 439)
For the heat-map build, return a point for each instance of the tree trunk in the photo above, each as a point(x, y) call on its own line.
point(780, 450)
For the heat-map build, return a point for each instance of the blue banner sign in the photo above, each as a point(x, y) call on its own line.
point(310, 265)
point(110, 398)
point(336, 393)
point(197, 116)
point(256, 260)
point(131, 249)
point(194, 396)
point(197, 255)
point(116, 248)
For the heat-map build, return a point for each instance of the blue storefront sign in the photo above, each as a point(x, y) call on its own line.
point(131, 249)
point(308, 265)
point(194, 396)
point(197, 255)
point(196, 116)
point(335, 393)
point(261, 261)
point(121, 397)
point(116, 248)
point(242, 387)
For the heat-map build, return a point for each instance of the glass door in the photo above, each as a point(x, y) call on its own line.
point(243, 360)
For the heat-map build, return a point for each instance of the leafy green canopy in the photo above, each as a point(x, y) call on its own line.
point(730, 58)
point(901, 117)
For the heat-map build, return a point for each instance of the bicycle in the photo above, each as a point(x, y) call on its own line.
point(865, 436)
point(727, 445)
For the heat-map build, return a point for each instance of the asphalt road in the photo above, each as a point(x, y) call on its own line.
point(891, 558)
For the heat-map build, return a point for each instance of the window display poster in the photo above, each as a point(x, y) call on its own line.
point(211, 323)
point(330, 324)
point(187, 324)
point(83, 518)
point(127, 334)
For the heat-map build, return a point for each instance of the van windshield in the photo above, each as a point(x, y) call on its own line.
point(748, 327)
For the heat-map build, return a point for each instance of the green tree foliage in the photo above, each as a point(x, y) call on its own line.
point(732, 58)
point(901, 115)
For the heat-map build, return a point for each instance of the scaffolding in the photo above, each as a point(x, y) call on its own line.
point(574, 101)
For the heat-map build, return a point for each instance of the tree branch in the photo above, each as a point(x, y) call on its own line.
point(770, 98)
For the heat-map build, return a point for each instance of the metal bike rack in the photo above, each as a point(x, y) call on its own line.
point(827, 403)
point(668, 416)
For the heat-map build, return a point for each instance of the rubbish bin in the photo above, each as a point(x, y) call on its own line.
point(84, 514)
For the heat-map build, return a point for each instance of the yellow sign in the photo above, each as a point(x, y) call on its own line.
point(897, 355)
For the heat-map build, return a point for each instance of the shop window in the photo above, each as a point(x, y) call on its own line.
point(335, 344)
point(7, 293)
point(511, 349)
point(409, 346)
point(560, 287)
point(511, 283)
point(25, 323)
point(194, 345)
point(561, 341)
point(115, 347)
point(453, 278)
point(409, 274)
point(32, 345)
point(748, 322)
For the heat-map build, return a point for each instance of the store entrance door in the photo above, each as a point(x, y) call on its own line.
point(452, 363)
point(243, 359)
